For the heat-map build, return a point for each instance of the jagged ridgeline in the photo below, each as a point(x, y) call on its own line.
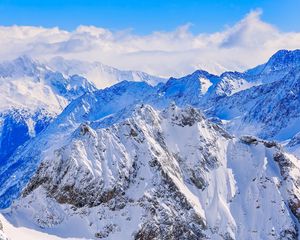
point(169, 161)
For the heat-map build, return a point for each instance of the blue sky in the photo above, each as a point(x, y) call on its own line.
point(144, 17)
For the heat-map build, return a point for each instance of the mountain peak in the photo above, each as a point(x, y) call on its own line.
point(200, 72)
point(279, 64)
point(284, 59)
point(285, 52)
point(21, 66)
point(25, 59)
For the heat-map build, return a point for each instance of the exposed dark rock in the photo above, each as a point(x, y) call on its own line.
point(249, 139)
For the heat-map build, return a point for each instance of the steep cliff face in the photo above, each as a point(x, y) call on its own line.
point(164, 174)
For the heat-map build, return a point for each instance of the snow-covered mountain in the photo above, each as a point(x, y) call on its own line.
point(269, 110)
point(278, 66)
point(26, 83)
point(31, 96)
point(142, 162)
point(33, 93)
point(263, 101)
point(162, 174)
point(30, 84)
point(242, 109)
point(100, 74)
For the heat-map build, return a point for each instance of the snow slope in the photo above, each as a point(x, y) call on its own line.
point(2, 235)
point(17, 233)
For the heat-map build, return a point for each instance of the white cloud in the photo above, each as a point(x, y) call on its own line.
point(246, 44)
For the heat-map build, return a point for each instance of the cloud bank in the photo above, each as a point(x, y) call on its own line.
point(248, 43)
